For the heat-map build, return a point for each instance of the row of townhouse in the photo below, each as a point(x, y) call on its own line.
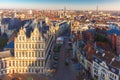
point(99, 63)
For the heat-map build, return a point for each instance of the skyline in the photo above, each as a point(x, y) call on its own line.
point(58, 4)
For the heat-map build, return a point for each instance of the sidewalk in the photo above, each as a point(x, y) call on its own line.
point(24, 77)
point(80, 75)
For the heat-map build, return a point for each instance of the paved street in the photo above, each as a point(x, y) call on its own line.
point(64, 72)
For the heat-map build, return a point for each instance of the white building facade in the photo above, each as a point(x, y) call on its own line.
point(103, 71)
point(30, 53)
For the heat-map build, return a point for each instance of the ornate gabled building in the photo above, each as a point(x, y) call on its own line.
point(31, 52)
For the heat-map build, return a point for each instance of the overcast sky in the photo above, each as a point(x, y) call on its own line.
point(59, 4)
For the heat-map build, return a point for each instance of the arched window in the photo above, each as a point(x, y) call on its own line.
point(19, 37)
point(23, 38)
point(33, 38)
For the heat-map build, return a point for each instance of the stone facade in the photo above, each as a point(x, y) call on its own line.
point(30, 53)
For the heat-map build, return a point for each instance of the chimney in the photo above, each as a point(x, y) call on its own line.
point(96, 51)
point(113, 59)
point(103, 54)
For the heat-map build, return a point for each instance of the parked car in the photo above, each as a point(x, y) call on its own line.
point(67, 61)
point(54, 65)
point(56, 56)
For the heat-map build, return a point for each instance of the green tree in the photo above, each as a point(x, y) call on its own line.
point(3, 42)
point(100, 38)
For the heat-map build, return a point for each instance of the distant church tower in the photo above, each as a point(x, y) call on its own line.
point(64, 11)
point(97, 10)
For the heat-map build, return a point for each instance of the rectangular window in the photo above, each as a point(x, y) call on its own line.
point(42, 46)
point(25, 54)
point(42, 70)
point(29, 45)
point(9, 64)
point(32, 63)
point(29, 70)
point(13, 63)
point(26, 63)
point(42, 63)
point(32, 70)
point(29, 54)
point(22, 45)
point(16, 63)
point(32, 46)
point(19, 37)
point(35, 63)
point(42, 54)
point(16, 54)
point(19, 45)
point(32, 38)
point(19, 54)
point(26, 45)
point(41, 38)
point(36, 38)
point(39, 46)
point(16, 45)
point(23, 63)
point(39, 54)
point(23, 37)
point(38, 63)
point(36, 53)
point(35, 46)
point(5, 64)
point(32, 54)
point(22, 54)
point(19, 63)
point(1, 64)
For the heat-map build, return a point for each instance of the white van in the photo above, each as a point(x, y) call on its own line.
point(60, 40)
